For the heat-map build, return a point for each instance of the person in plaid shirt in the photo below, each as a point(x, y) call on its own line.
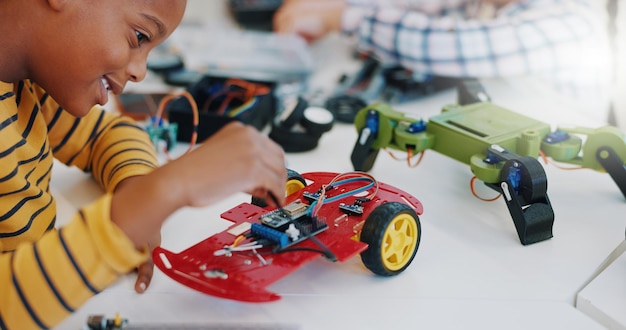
point(563, 42)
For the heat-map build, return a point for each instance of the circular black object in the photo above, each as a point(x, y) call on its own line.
point(293, 110)
point(317, 120)
point(292, 139)
point(299, 126)
point(392, 232)
point(345, 107)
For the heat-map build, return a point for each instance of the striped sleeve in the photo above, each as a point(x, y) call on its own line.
point(50, 279)
point(110, 146)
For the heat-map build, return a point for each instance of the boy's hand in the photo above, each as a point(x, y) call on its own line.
point(310, 19)
point(237, 158)
point(146, 270)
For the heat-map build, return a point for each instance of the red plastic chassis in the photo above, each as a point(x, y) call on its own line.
point(244, 276)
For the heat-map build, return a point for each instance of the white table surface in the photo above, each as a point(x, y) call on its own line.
point(604, 298)
point(470, 272)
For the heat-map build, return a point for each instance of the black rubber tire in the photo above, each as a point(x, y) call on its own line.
point(375, 234)
point(294, 179)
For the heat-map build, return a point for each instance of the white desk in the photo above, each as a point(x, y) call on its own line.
point(471, 271)
point(604, 298)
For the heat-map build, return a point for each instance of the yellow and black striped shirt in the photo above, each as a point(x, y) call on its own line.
point(47, 273)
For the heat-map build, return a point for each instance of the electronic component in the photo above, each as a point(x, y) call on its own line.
point(276, 236)
point(280, 217)
point(351, 209)
point(159, 130)
point(295, 208)
point(311, 196)
point(99, 322)
point(243, 267)
point(284, 236)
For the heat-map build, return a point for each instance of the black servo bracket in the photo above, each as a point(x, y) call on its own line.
point(608, 158)
point(523, 183)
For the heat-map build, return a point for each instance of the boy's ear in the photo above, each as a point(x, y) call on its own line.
point(57, 4)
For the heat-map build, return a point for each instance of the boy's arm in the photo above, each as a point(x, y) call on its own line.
point(51, 279)
point(109, 146)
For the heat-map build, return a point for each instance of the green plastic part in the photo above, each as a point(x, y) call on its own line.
point(392, 129)
point(460, 132)
point(465, 131)
point(569, 151)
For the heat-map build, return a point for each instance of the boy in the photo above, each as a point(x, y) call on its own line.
point(58, 59)
point(563, 44)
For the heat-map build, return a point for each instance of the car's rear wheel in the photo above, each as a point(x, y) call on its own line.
point(392, 232)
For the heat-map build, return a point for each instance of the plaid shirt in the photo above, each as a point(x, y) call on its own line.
point(562, 41)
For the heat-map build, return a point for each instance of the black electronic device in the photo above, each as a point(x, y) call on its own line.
point(378, 82)
point(220, 101)
point(254, 14)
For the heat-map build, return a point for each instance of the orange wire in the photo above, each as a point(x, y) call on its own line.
point(238, 240)
point(251, 89)
point(472, 184)
point(194, 110)
point(547, 161)
point(248, 91)
point(409, 156)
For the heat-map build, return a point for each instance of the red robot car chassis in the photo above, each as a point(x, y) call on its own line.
point(334, 215)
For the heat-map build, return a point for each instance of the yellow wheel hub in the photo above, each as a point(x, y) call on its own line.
point(292, 186)
point(399, 242)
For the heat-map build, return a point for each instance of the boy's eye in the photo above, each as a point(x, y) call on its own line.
point(141, 38)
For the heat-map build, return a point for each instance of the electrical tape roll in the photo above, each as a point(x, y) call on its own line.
point(293, 140)
point(317, 120)
point(293, 110)
point(345, 107)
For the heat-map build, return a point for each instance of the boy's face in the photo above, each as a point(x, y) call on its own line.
point(90, 47)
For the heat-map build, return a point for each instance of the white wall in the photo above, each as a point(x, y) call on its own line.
point(619, 99)
point(206, 11)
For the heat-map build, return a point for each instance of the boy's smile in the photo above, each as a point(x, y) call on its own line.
point(109, 85)
point(105, 91)
point(79, 51)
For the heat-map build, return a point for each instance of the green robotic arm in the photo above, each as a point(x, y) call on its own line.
point(602, 149)
point(500, 146)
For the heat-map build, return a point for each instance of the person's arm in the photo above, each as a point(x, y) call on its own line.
point(109, 146)
point(45, 281)
point(357, 11)
point(529, 37)
point(314, 19)
point(48, 273)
